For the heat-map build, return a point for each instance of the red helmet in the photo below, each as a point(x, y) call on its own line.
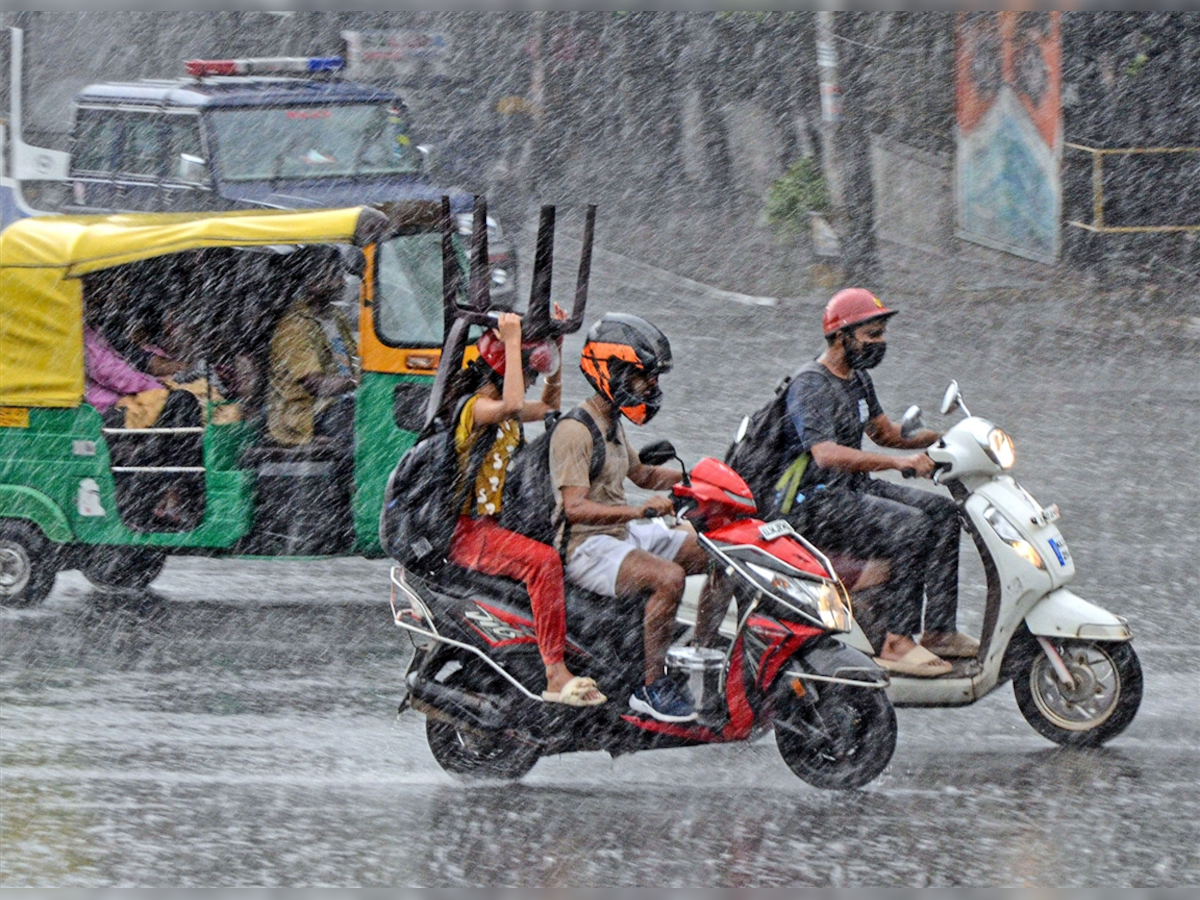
point(540, 356)
point(851, 307)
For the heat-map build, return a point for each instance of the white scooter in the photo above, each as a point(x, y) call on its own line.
point(1076, 678)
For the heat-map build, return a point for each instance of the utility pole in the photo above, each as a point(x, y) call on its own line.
point(831, 111)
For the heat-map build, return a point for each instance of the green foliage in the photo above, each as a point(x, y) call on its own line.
point(799, 191)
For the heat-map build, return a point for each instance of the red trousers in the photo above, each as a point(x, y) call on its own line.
point(484, 546)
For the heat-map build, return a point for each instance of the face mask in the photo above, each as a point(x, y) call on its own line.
point(863, 355)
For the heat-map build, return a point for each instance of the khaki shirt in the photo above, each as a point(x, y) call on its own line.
point(571, 460)
point(299, 348)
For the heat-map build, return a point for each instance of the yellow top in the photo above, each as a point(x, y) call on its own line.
point(43, 258)
point(489, 483)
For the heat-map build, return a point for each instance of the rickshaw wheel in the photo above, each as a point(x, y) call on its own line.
point(123, 568)
point(27, 564)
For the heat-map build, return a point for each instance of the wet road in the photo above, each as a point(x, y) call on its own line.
point(237, 727)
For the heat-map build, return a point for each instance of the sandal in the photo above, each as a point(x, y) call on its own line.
point(918, 662)
point(576, 692)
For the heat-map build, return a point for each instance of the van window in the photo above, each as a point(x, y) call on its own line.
point(408, 293)
point(96, 135)
point(313, 142)
point(182, 138)
point(142, 150)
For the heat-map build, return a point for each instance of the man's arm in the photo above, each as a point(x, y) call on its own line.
point(580, 510)
point(655, 478)
point(830, 455)
point(886, 433)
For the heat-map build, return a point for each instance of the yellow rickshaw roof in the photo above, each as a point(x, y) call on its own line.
point(83, 244)
point(42, 259)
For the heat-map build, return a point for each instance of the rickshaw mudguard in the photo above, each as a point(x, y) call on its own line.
point(20, 502)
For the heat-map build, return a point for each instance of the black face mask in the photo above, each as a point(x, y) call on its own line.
point(863, 355)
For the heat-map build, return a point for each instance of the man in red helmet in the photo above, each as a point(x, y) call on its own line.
point(837, 505)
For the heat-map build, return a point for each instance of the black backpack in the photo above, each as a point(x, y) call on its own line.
point(759, 452)
point(424, 496)
point(528, 503)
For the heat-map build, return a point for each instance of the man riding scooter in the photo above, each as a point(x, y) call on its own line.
point(831, 403)
point(608, 550)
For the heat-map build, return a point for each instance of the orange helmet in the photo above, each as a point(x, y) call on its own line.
point(851, 307)
point(619, 347)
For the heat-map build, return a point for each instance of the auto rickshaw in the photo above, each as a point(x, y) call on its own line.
point(69, 498)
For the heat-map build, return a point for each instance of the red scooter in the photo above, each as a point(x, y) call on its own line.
point(477, 676)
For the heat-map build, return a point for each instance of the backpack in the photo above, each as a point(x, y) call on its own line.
point(528, 502)
point(424, 496)
point(759, 452)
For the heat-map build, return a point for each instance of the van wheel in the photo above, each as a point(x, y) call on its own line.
point(123, 568)
point(27, 564)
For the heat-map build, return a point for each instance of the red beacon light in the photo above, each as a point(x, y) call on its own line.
point(266, 65)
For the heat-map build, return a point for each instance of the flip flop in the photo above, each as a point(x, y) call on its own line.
point(575, 693)
point(952, 644)
point(917, 662)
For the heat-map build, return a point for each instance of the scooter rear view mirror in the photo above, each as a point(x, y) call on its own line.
point(912, 422)
point(657, 453)
point(952, 399)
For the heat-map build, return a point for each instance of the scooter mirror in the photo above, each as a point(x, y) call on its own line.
point(951, 399)
point(912, 422)
point(657, 453)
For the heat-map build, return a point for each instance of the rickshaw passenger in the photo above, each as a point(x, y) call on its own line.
point(313, 368)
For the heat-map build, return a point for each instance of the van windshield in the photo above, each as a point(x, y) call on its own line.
point(408, 295)
point(304, 142)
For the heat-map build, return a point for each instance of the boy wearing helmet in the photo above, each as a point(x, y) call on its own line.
point(839, 507)
point(609, 551)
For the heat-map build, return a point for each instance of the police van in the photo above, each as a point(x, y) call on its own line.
point(285, 133)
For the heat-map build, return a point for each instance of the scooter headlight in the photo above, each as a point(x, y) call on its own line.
point(820, 597)
point(1000, 448)
point(1009, 534)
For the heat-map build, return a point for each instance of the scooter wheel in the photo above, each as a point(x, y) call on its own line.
point(844, 739)
point(1098, 705)
point(471, 754)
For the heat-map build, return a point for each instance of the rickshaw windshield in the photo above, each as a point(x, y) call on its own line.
point(408, 301)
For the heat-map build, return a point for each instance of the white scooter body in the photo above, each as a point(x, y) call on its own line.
point(1027, 562)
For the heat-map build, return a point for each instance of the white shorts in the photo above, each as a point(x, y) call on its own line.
point(595, 563)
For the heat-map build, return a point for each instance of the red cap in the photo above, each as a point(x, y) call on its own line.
point(852, 306)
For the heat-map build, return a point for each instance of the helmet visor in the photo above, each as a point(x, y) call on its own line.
point(543, 358)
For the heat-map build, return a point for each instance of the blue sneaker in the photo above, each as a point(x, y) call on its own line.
point(666, 700)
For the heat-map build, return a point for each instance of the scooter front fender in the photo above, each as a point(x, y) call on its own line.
point(1064, 614)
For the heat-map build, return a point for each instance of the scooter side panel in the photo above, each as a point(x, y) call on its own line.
point(1064, 614)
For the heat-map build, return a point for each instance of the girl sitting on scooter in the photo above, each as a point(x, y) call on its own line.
point(497, 383)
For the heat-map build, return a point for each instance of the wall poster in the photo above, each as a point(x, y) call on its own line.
point(1008, 192)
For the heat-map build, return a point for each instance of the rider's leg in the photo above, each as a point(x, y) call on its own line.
point(484, 546)
point(714, 596)
point(643, 572)
point(863, 525)
point(941, 553)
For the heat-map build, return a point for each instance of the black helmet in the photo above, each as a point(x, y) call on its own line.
point(617, 348)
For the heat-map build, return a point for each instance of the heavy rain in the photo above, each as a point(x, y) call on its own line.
point(205, 642)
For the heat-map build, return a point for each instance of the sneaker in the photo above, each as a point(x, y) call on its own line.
point(666, 700)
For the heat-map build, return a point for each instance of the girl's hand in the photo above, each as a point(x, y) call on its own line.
point(509, 326)
point(560, 315)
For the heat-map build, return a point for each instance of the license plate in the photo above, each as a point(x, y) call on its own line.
point(1059, 547)
point(776, 529)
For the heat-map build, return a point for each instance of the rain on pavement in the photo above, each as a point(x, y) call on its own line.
point(236, 725)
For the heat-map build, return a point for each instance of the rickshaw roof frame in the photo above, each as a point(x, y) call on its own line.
point(42, 261)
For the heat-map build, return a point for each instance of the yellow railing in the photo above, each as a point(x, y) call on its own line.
point(1097, 223)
